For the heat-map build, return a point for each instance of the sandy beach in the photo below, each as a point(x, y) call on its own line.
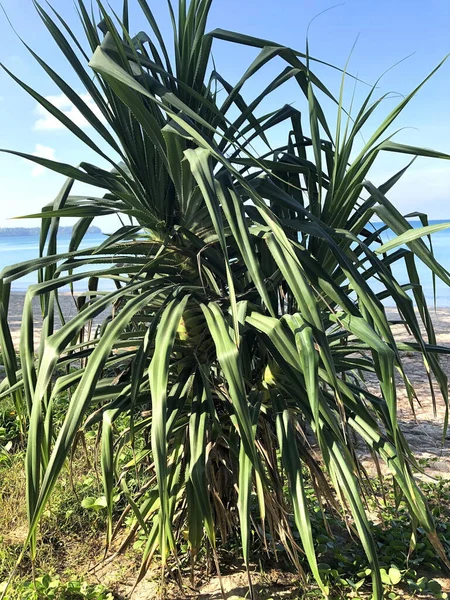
point(68, 308)
point(422, 427)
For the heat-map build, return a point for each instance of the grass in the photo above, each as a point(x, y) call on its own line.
point(72, 532)
point(70, 539)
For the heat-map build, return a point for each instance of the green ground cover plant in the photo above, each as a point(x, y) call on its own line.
point(242, 320)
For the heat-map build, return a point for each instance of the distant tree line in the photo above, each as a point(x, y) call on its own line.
point(34, 231)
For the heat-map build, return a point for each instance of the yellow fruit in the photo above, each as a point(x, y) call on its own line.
point(270, 373)
point(182, 331)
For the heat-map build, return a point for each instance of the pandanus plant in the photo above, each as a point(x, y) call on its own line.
point(240, 316)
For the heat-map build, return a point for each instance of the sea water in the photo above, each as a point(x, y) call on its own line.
point(21, 248)
point(439, 291)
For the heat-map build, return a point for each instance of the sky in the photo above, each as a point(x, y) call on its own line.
point(385, 33)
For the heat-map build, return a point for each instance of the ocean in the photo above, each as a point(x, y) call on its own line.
point(17, 249)
point(441, 249)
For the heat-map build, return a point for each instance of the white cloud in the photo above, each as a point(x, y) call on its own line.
point(47, 121)
point(422, 188)
point(43, 152)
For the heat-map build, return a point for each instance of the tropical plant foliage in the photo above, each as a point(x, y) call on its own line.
point(241, 319)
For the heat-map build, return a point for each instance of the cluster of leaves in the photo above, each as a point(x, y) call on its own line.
point(407, 561)
point(52, 588)
point(242, 320)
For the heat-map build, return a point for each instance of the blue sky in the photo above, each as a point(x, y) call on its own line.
point(387, 32)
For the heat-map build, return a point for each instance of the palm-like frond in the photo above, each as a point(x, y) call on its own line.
point(243, 306)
